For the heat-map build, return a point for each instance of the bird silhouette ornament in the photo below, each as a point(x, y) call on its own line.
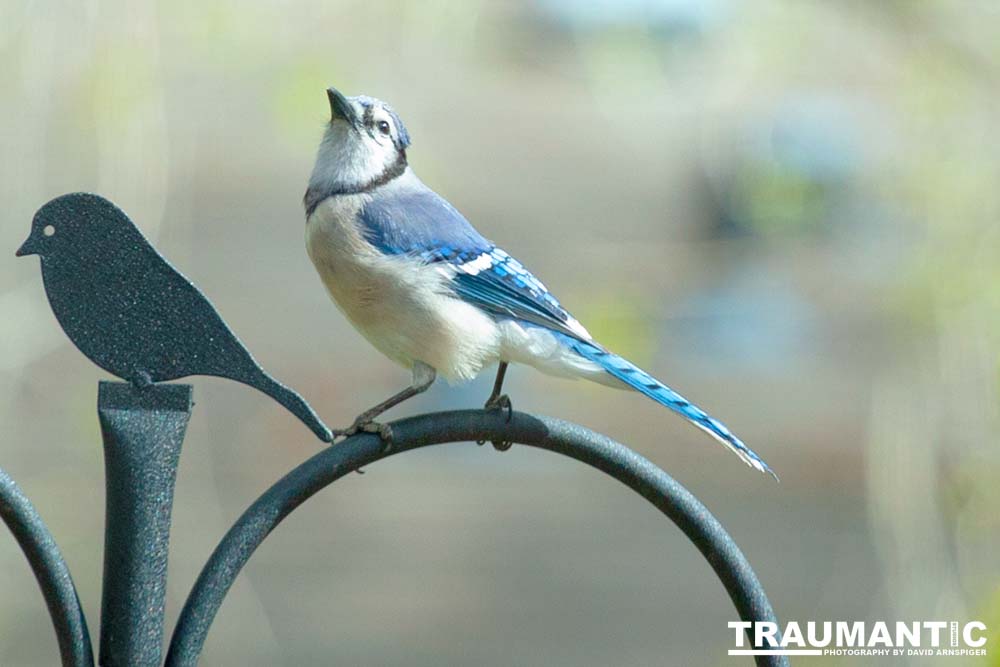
point(130, 312)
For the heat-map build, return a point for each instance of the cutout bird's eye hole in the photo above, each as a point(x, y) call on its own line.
point(383, 127)
point(48, 230)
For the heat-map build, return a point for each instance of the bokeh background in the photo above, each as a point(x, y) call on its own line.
point(790, 211)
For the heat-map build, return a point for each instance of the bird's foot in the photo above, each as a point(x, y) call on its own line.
point(501, 402)
point(384, 431)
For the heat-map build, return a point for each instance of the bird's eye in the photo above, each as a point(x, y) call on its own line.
point(48, 230)
point(383, 127)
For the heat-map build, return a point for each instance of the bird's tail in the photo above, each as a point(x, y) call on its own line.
point(293, 403)
point(643, 382)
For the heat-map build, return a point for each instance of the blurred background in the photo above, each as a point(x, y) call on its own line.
point(788, 211)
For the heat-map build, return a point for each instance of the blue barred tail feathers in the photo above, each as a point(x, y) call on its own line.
point(646, 384)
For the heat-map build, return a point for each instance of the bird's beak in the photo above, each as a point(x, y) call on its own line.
point(27, 248)
point(340, 107)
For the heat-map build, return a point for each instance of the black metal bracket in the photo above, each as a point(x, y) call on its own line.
point(143, 430)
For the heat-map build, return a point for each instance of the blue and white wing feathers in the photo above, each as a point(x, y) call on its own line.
point(421, 224)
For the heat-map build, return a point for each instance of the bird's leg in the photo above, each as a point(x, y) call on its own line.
point(498, 401)
point(423, 377)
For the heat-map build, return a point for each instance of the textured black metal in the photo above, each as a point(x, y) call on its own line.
point(133, 314)
point(143, 430)
point(571, 440)
point(51, 572)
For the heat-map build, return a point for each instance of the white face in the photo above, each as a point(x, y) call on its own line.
point(360, 145)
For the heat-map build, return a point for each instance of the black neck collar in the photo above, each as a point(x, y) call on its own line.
point(313, 197)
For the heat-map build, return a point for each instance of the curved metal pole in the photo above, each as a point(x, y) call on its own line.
point(51, 572)
point(571, 440)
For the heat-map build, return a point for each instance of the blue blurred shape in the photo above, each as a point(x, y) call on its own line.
point(664, 15)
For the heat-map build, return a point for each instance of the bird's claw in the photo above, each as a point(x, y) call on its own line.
point(384, 431)
point(501, 402)
point(502, 445)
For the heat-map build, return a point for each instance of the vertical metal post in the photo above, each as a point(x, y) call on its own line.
point(143, 429)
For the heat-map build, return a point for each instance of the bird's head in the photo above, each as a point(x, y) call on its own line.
point(49, 232)
point(364, 145)
point(75, 225)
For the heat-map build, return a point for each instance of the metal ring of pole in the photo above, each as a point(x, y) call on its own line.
point(558, 436)
point(51, 572)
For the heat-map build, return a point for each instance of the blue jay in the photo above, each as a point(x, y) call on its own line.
point(429, 292)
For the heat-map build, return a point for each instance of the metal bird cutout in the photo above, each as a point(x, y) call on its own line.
point(130, 312)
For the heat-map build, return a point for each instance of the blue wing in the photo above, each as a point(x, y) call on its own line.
point(422, 224)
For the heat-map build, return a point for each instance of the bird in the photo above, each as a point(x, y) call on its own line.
point(426, 289)
point(132, 313)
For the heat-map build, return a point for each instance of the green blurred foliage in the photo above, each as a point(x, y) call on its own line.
point(621, 323)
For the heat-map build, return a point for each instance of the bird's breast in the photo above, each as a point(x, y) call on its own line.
point(353, 271)
point(403, 306)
